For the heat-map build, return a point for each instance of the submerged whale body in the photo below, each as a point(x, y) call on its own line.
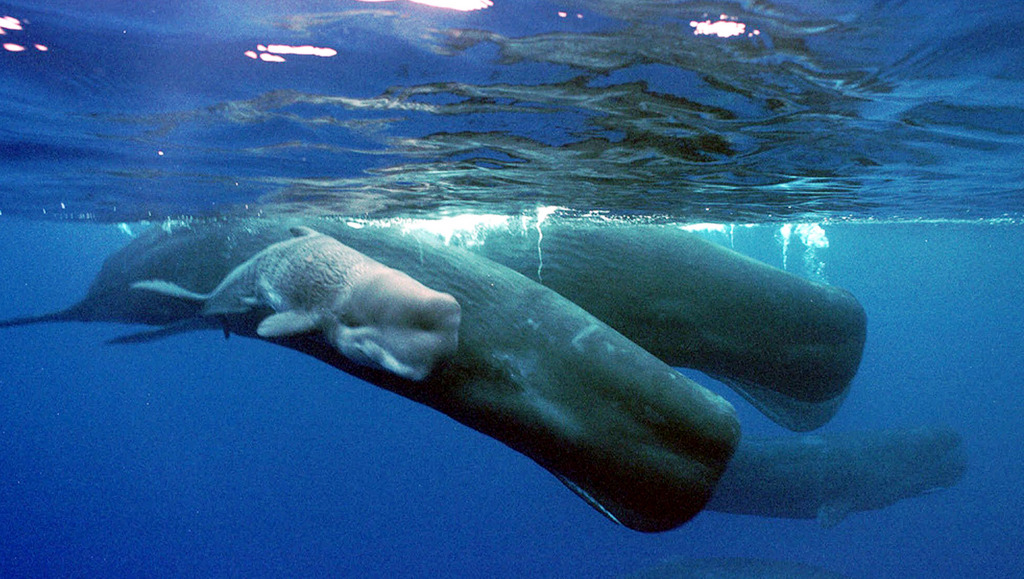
point(372, 314)
point(638, 441)
point(826, 477)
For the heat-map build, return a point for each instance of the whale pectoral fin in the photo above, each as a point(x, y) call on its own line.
point(168, 289)
point(289, 323)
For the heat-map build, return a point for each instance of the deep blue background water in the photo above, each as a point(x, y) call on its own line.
point(899, 126)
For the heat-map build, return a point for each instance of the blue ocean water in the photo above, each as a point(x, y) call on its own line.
point(897, 127)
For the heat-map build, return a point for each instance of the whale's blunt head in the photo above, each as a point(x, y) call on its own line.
point(394, 322)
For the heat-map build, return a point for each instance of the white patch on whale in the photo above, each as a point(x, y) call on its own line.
point(372, 314)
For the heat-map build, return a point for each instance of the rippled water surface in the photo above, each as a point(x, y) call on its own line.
point(688, 110)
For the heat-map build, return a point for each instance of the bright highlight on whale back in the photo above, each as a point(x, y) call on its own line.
point(374, 315)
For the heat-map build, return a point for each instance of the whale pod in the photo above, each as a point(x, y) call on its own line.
point(637, 440)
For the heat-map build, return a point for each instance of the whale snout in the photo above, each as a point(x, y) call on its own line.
point(439, 312)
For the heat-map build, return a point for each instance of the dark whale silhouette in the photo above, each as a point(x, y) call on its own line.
point(788, 345)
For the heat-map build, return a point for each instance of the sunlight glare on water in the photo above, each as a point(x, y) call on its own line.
point(459, 5)
point(722, 28)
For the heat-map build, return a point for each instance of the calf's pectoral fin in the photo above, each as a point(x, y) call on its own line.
point(287, 323)
point(168, 289)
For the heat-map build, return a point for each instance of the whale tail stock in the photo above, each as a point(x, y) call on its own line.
point(85, 311)
point(74, 315)
point(68, 315)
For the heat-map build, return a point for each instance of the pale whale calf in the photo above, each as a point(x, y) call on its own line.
point(374, 315)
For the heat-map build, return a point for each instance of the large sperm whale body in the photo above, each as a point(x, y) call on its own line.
point(788, 345)
point(637, 440)
point(373, 314)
